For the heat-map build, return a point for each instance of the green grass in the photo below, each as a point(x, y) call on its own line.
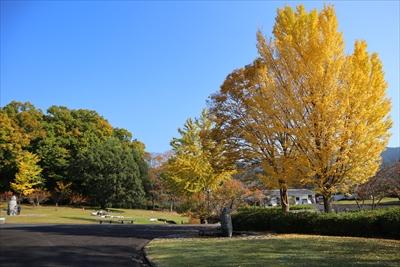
point(280, 250)
point(70, 215)
point(386, 200)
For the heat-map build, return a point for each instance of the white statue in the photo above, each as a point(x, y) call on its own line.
point(12, 206)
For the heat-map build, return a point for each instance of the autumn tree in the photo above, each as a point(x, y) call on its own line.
point(231, 194)
point(197, 164)
point(247, 117)
point(334, 104)
point(393, 176)
point(385, 183)
point(160, 191)
point(38, 196)
point(21, 127)
point(28, 177)
point(12, 142)
point(61, 192)
point(330, 107)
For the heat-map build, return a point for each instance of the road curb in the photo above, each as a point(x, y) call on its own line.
point(146, 256)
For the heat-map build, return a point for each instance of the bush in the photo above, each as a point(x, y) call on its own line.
point(375, 223)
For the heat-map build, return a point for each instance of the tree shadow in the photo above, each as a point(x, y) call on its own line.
point(93, 220)
point(68, 256)
point(146, 231)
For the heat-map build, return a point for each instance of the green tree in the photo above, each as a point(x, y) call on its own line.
point(68, 133)
point(110, 174)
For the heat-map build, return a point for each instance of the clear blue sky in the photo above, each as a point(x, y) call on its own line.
point(147, 67)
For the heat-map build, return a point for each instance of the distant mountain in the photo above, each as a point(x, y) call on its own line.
point(156, 159)
point(391, 155)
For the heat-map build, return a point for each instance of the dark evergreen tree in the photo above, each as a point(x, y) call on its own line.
point(110, 174)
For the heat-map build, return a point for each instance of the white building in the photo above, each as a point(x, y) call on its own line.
point(296, 196)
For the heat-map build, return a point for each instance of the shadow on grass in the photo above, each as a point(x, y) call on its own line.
point(85, 256)
point(145, 231)
point(80, 219)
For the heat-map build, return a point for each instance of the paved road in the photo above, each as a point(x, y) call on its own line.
point(80, 245)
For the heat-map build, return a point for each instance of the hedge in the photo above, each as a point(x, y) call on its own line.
point(292, 208)
point(374, 223)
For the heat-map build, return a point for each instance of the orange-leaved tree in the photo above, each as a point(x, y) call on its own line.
point(329, 108)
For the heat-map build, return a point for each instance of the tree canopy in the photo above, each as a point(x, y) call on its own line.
point(195, 167)
point(56, 146)
point(304, 110)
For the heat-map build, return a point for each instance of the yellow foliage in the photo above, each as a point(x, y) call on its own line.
point(306, 110)
point(192, 168)
point(335, 104)
point(27, 179)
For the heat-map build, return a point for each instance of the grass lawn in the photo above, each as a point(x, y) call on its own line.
point(386, 200)
point(280, 250)
point(70, 215)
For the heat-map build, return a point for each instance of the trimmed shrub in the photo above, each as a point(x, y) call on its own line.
point(376, 223)
point(292, 208)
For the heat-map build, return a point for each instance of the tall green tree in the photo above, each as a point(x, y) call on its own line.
point(68, 133)
point(110, 174)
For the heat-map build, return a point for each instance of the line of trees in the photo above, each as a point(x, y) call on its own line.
point(303, 111)
point(71, 155)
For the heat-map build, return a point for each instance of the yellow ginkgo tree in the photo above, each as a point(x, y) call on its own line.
point(28, 178)
point(334, 105)
point(195, 166)
point(306, 110)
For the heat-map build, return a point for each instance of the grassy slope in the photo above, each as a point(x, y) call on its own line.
point(69, 215)
point(281, 250)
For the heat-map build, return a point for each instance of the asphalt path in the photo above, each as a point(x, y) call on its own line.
point(81, 245)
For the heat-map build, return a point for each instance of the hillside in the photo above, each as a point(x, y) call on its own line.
point(391, 155)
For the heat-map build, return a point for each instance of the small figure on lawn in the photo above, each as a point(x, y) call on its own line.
point(13, 208)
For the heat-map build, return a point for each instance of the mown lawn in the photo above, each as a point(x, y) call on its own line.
point(280, 250)
point(70, 215)
point(386, 200)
